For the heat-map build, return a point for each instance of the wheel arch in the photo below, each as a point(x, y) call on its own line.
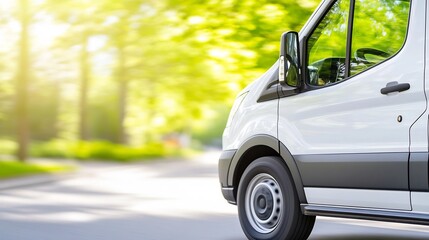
point(260, 146)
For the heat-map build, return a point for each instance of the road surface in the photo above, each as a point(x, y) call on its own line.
point(151, 201)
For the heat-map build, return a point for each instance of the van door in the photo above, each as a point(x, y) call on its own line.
point(419, 166)
point(349, 129)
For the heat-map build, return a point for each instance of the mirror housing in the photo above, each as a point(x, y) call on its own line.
point(289, 69)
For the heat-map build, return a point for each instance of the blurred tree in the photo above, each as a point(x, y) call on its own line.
point(8, 72)
point(83, 19)
point(134, 71)
point(123, 38)
point(84, 85)
point(212, 49)
point(22, 82)
point(240, 37)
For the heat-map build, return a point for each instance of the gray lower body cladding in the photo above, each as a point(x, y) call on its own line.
point(387, 171)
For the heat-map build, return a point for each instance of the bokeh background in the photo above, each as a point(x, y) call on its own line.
point(97, 91)
point(130, 79)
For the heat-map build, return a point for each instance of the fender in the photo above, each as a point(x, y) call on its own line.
point(277, 148)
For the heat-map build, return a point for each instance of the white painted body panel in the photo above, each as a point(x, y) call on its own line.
point(419, 131)
point(350, 117)
point(420, 202)
point(419, 134)
point(353, 116)
point(367, 198)
point(394, 200)
point(252, 118)
point(419, 139)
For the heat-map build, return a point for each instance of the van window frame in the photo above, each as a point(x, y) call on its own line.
point(304, 46)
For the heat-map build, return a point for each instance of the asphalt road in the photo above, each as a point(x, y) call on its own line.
point(158, 200)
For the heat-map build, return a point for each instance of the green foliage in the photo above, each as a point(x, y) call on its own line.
point(145, 69)
point(101, 150)
point(209, 132)
point(7, 147)
point(9, 169)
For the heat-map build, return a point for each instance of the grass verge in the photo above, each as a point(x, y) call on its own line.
point(11, 169)
point(99, 150)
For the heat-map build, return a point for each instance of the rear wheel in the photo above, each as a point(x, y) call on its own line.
point(268, 205)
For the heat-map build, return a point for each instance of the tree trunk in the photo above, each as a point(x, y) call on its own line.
point(56, 111)
point(84, 86)
point(22, 84)
point(123, 94)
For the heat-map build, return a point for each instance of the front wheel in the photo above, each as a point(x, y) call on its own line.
point(268, 204)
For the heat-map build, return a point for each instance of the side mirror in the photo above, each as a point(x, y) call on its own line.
point(289, 70)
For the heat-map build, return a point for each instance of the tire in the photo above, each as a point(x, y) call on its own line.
point(268, 205)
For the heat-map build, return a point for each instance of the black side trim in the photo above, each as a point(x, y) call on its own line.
point(277, 147)
point(225, 160)
point(287, 91)
point(228, 194)
point(367, 214)
point(293, 168)
point(388, 171)
point(269, 94)
point(270, 91)
point(273, 90)
point(257, 140)
point(349, 37)
point(419, 171)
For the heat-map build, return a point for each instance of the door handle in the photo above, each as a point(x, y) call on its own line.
point(395, 87)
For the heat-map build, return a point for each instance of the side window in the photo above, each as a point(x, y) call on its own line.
point(379, 31)
point(327, 46)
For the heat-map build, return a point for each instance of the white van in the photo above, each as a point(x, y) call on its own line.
point(338, 126)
